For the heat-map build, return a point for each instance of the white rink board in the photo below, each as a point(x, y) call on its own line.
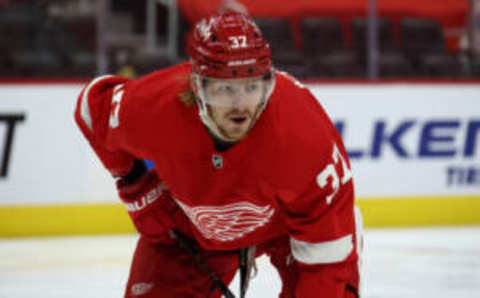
point(51, 163)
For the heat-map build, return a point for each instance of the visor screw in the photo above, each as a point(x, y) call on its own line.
point(234, 73)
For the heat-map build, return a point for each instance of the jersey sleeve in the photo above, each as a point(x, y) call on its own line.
point(111, 113)
point(111, 119)
point(318, 208)
point(133, 115)
point(95, 116)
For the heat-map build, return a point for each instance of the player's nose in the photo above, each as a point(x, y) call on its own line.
point(239, 99)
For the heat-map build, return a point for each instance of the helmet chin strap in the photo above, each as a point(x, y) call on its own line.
point(205, 115)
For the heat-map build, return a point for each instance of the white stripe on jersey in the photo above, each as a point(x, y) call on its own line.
point(324, 252)
point(84, 107)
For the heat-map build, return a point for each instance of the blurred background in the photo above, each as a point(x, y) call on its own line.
point(309, 38)
point(400, 79)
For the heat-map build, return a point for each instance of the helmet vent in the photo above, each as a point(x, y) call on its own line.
point(213, 38)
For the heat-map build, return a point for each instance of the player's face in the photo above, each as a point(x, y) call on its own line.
point(233, 104)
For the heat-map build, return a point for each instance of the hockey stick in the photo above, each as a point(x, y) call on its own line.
point(191, 248)
point(243, 263)
point(352, 289)
point(246, 261)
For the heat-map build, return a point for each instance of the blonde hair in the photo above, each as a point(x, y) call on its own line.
point(187, 97)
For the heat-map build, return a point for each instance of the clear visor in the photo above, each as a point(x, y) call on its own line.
point(245, 92)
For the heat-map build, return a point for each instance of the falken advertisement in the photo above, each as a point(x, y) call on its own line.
point(404, 140)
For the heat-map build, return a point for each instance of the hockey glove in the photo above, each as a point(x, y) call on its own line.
point(149, 205)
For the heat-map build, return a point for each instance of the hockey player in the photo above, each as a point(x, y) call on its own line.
point(247, 163)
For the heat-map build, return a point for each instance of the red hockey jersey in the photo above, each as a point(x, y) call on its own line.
point(290, 175)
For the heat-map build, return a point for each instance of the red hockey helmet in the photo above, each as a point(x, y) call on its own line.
point(229, 45)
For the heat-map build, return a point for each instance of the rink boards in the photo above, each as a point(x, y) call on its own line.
point(414, 149)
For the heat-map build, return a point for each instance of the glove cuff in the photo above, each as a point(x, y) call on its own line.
point(138, 171)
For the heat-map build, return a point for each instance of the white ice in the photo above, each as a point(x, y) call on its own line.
point(398, 263)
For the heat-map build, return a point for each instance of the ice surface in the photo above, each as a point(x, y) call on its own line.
point(398, 263)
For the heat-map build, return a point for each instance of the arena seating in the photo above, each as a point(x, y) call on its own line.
point(327, 42)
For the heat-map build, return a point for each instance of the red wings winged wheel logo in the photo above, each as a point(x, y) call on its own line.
point(228, 222)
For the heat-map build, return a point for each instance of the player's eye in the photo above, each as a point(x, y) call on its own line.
point(226, 89)
point(221, 89)
point(251, 87)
